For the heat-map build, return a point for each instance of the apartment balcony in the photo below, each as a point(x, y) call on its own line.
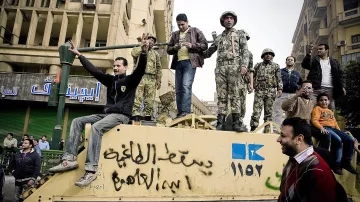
point(321, 35)
point(320, 8)
point(350, 16)
point(314, 23)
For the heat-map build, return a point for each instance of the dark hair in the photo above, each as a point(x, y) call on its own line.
point(300, 127)
point(181, 17)
point(26, 135)
point(30, 142)
point(321, 95)
point(325, 45)
point(44, 136)
point(125, 62)
point(306, 81)
point(292, 57)
point(12, 135)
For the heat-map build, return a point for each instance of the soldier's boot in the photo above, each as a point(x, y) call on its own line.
point(237, 125)
point(244, 126)
point(137, 118)
point(220, 125)
point(267, 129)
point(147, 118)
point(253, 128)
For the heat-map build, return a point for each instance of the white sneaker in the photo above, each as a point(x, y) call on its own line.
point(64, 166)
point(86, 179)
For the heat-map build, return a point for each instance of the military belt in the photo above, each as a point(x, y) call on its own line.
point(151, 75)
point(229, 62)
point(264, 86)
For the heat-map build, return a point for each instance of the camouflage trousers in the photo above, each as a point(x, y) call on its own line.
point(242, 93)
point(263, 98)
point(227, 87)
point(145, 95)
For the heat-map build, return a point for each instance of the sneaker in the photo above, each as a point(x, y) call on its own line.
point(347, 166)
point(86, 179)
point(64, 166)
point(337, 169)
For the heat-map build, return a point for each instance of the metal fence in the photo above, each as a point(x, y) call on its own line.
point(49, 159)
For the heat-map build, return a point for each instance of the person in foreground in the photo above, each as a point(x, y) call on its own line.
point(118, 109)
point(25, 166)
point(306, 176)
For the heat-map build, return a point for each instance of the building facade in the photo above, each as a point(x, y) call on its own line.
point(212, 105)
point(333, 22)
point(31, 32)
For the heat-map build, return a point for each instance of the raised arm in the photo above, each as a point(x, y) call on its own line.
point(288, 104)
point(133, 80)
point(105, 79)
point(306, 63)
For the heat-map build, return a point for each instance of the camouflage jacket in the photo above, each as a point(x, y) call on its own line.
point(227, 51)
point(267, 76)
point(153, 65)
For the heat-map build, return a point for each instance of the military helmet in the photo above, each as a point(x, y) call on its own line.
point(246, 34)
point(267, 50)
point(226, 13)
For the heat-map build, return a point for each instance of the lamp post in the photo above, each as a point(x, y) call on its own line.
point(66, 61)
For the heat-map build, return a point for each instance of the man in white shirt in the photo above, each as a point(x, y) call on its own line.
point(325, 74)
point(43, 144)
point(10, 141)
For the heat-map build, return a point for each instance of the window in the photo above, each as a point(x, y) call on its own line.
point(97, 43)
point(350, 4)
point(106, 1)
point(345, 59)
point(355, 38)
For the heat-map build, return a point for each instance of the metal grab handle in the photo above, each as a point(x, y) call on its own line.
point(271, 124)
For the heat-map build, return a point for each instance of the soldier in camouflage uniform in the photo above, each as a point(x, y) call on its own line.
point(267, 80)
point(232, 61)
point(150, 82)
point(245, 85)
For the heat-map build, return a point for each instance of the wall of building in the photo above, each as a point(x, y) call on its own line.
point(31, 32)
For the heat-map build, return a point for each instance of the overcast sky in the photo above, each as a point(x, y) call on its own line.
point(270, 24)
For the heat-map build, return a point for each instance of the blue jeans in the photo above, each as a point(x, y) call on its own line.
point(101, 123)
point(342, 144)
point(184, 78)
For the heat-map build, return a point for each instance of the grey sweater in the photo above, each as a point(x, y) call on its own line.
point(298, 107)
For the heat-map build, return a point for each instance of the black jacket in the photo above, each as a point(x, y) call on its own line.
point(26, 166)
point(291, 82)
point(315, 74)
point(120, 88)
